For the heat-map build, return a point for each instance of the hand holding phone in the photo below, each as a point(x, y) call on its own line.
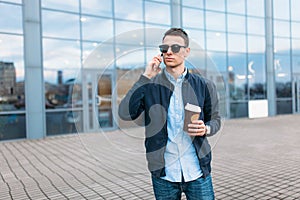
point(153, 67)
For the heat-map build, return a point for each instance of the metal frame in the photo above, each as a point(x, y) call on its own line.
point(93, 79)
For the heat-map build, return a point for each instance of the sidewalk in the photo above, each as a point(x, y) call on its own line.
point(252, 159)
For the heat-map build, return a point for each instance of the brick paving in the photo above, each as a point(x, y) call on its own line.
point(252, 159)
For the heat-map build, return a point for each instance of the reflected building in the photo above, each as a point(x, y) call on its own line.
point(65, 67)
point(7, 79)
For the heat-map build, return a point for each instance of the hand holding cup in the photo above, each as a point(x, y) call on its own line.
point(192, 125)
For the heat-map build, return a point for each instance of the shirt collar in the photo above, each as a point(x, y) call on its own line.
point(172, 79)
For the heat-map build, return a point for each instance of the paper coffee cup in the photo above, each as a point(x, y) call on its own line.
point(191, 112)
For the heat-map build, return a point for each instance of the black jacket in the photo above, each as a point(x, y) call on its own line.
point(152, 96)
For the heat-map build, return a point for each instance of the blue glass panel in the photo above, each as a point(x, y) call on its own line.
point(157, 13)
point(59, 24)
point(281, 9)
point(97, 7)
point(256, 8)
point(257, 76)
point(215, 21)
point(91, 28)
point(238, 110)
point(61, 5)
point(295, 5)
point(188, 14)
point(217, 5)
point(194, 4)
point(284, 106)
point(129, 10)
point(12, 91)
point(63, 122)
point(11, 18)
point(256, 26)
point(12, 126)
point(236, 23)
point(216, 41)
point(234, 6)
point(237, 76)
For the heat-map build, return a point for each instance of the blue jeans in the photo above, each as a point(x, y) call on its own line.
point(199, 189)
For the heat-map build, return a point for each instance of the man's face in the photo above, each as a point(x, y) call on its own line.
point(170, 58)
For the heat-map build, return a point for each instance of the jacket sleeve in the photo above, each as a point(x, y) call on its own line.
point(211, 108)
point(132, 105)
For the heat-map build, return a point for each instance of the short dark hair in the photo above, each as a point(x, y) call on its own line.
point(178, 32)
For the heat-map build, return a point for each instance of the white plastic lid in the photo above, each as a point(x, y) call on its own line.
point(192, 108)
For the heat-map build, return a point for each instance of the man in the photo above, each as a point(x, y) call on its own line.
point(179, 161)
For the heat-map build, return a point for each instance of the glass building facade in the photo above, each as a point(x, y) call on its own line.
point(65, 65)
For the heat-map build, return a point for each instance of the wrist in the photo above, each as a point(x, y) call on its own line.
point(207, 129)
point(147, 75)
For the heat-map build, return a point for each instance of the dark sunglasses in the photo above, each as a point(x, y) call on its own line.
point(175, 48)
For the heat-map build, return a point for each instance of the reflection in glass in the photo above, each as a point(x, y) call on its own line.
point(12, 126)
point(59, 54)
point(256, 8)
point(129, 10)
point(218, 5)
point(196, 61)
point(91, 28)
point(12, 91)
point(68, 5)
point(237, 76)
point(257, 76)
point(236, 43)
point(215, 21)
point(256, 26)
point(104, 101)
point(14, 1)
point(295, 5)
point(281, 28)
point(236, 23)
point(10, 18)
point(283, 75)
point(281, 45)
point(157, 13)
point(194, 4)
point(189, 17)
point(97, 7)
point(216, 41)
point(234, 6)
point(284, 106)
point(296, 65)
point(219, 60)
point(58, 24)
point(296, 46)
point(197, 37)
point(98, 56)
point(296, 29)
point(63, 122)
point(281, 9)
point(256, 44)
point(238, 109)
point(124, 26)
point(130, 56)
point(59, 85)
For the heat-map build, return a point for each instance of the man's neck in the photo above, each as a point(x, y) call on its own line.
point(175, 71)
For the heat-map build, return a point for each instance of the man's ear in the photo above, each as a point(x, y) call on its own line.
point(187, 52)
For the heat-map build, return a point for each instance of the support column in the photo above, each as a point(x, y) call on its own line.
point(175, 13)
point(271, 83)
point(34, 79)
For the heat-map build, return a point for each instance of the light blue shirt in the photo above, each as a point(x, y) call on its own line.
point(180, 155)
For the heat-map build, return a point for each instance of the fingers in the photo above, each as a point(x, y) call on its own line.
point(196, 128)
point(156, 62)
point(153, 67)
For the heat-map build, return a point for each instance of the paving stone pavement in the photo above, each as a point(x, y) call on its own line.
point(252, 159)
